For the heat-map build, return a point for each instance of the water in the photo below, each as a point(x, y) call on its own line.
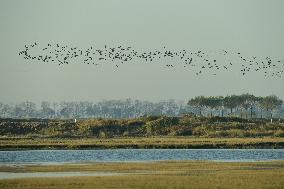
point(11, 175)
point(126, 155)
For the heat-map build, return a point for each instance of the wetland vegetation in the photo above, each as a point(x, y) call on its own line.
point(165, 174)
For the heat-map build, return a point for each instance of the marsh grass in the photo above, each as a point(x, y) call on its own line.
point(187, 125)
point(167, 174)
point(139, 142)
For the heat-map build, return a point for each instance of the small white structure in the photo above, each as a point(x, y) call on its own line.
point(75, 120)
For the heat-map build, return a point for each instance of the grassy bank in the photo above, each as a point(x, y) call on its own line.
point(192, 126)
point(168, 175)
point(188, 131)
point(16, 143)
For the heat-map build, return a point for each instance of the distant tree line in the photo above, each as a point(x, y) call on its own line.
point(105, 109)
point(245, 106)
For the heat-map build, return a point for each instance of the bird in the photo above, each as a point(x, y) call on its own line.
point(120, 54)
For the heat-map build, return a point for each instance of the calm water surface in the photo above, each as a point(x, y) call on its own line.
point(121, 155)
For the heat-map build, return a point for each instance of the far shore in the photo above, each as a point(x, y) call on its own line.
point(37, 143)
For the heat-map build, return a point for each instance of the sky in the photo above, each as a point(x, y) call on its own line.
point(252, 27)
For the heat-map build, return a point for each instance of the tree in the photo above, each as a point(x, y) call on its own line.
point(25, 110)
point(6, 110)
point(198, 102)
point(18, 111)
point(248, 101)
point(29, 108)
point(46, 110)
point(89, 110)
point(66, 109)
point(231, 102)
point(219, 103)
point(214, 102)
point(270, 103)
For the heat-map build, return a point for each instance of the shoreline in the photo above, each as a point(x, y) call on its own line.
point(85, 163)
point(13, 144)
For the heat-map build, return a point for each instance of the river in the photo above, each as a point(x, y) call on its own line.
point(128, 155)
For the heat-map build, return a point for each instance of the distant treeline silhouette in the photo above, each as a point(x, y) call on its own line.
point(239, 105)
point(244, 106)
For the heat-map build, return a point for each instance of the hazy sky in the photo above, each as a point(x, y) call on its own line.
point(252, 27)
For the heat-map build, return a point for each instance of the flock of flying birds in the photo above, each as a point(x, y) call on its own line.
point(200, 61)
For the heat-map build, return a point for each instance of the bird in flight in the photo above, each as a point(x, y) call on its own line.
point(198, 60)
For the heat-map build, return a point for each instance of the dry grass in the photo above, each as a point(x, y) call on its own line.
point(151, 142)
point(168, 175)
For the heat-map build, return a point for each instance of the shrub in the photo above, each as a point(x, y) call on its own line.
point(279, 133)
